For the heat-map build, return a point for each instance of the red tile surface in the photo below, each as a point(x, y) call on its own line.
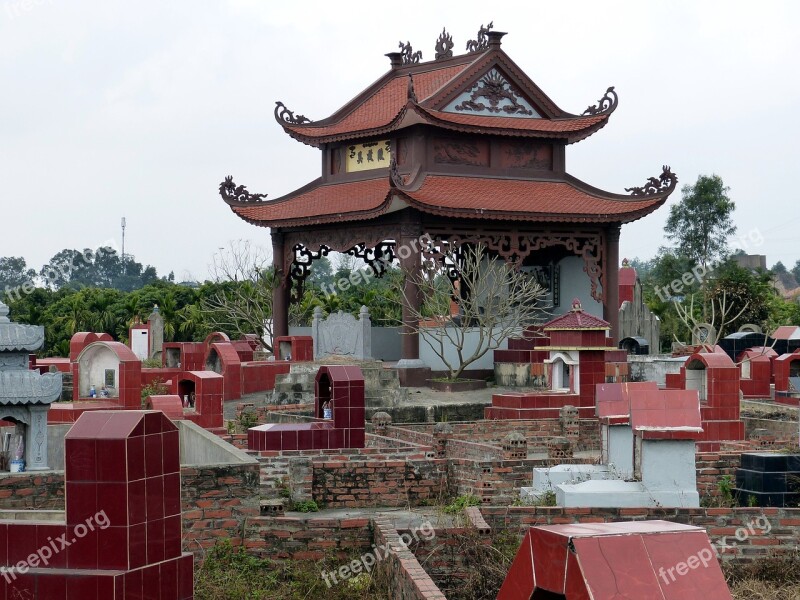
point(611, 561)
point(115, 525)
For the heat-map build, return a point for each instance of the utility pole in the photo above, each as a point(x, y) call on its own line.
point(123, 240)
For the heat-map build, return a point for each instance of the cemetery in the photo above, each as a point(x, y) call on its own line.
point(609, 468)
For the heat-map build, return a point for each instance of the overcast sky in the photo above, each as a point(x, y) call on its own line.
point(139, 109)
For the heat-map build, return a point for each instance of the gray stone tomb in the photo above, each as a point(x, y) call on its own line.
point(342, 334)
point(25, 395)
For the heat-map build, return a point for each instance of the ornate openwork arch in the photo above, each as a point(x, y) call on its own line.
point(374, 245)
point(515, 246)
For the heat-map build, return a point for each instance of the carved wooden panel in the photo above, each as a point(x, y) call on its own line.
point(526, 154)
point(337, 154)
point(461, 152)
point(402, 151)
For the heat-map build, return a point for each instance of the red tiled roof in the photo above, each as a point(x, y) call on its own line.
point(378, 109)
point(520, 199)
point(381, 108)
point(321, 204)
point(576, 319)
point(454, 196)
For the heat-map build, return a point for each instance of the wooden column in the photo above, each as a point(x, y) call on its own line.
point(410, 255)
point(611, 281)
point(280, 295)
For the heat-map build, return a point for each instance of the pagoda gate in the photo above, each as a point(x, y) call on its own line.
point(458, 150)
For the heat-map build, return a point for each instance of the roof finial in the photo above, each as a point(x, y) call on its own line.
point(444, 45)
point(576, 305)
point(395, 59)
point(482, 42)
point(409, 56)
point(412, 95)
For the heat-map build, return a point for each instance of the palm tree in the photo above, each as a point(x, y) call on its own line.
point(168, 308)
point(193, 323)
point(77, 316)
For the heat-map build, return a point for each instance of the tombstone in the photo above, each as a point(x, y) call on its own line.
point(635, 319)
point(635, 345)
point(704, 333)
point(121, 531)
point(25, 395)
point(342, 334)
point(156, 323)
point(634, 559)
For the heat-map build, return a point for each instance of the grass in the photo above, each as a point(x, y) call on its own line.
point(228, 573)
point(766, 579)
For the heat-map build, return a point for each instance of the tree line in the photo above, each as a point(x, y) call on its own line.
point(696, 274)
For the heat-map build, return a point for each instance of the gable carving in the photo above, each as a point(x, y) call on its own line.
point(492, 94)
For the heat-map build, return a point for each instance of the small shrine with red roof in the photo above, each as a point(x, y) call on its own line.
point(458, 150)
point(577, 354)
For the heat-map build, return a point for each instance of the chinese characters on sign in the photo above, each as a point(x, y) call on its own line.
point(370, 155)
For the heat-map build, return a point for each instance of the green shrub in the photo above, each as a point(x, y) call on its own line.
point(457, 506)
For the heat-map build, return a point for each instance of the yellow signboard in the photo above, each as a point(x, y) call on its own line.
point(370, 155)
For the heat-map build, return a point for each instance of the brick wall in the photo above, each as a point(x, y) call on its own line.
point(407, 579)
point(307, 538)
point(492, 432)
point(216, 502)
point(358, 483)
point(783, 430)
point(351, 477)
point(32, 491)
point(711, 468)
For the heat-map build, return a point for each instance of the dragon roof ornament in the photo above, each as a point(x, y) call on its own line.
point(606, 104)
point(231, 192)
point(665, 183)
point(409, 56)
point(483, 40)
point(284, 115)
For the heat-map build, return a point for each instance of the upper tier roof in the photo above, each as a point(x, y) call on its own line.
point(427, 93)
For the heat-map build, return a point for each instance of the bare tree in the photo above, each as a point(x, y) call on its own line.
point(494, 301)
point(241, 261)
point(718, 309)
point(243, 304)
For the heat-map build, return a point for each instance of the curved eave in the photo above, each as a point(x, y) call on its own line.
point(505, 125)
point(315, 141)
point(640, 206)
point(372, 198)
point(455, 122)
